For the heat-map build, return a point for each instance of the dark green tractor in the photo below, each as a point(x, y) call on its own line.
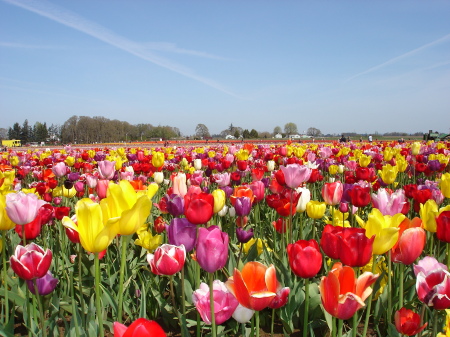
point(436, 136)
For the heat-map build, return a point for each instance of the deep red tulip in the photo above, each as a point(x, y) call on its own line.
point(31, 262)
point(443, 226)
point(198, 208)
point(360, 196)
point(139, 328)
point(407, 322)
point(61, 212)
point(410, 190)
point(305, 258)
point(350, 245)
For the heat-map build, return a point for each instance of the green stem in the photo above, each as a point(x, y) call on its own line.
point(340, 325)
point(243, 329)
point(172, 294)
point(369, 303)
point(183, 302)
point(257, 323)
point(402, 271)
point(24, 242)
point(272, 323)
point(41, 309)
point(80, 283)
point(211, 303)
point(389, 287)
point(74, 316)
point(123, 260)
point(98, 296)
point(197, 284)
point(305, 313)
point(435, 322)
point(5, 277)
point(333, 327)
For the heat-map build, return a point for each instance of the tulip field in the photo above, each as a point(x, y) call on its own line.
point(289, 239)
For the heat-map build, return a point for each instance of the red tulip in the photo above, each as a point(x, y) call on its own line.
point(342, 294)
point(139, 328)
point(305, 258)
point(360, 196)
point(411, 241)
point(407, 322)
point(198, 208)
point(332, 193)
point(350, 245)
point(443, 226)
point(31, 262)
point(167, 259)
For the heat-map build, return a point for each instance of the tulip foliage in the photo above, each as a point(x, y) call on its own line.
point(226, 239)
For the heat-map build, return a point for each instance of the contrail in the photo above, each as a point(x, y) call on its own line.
point(395, 59)
point(101, 33)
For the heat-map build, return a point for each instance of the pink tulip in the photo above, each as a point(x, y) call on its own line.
point(295, 174)
point(167, 259)
point(224, 302)
point(91, 180)
point(433, 283)
point(59, 169)
point(31, 262)
point(106, 169)
point(22, 208)
point(102, 188)
point(179, 184)
point(212, 248)
point(389, 204)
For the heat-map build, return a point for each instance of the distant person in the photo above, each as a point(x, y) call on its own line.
point(360, 139)
point(342, 139)
point(370, 139)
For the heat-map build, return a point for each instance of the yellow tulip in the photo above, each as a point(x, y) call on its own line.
point(259, 245)
point(402, 164)
point(380, 269)
point(429, 212)
point(158, 159)
point(384, 227)
point(446, 332)
point(152, 189)
point(14, 160)
point(388, 153)
point(121, 151)
point(96, 232)
point(118, 162)
point(388, 173)
point(122, 202)
point(415, 148)
point(242, 154)
point(316, 209)
point(7, 179)
point(91, 153)
point(445, 185)
point(70, 161)
point(333, 169)
point(148, 241)
point(211, 154)
point(5, 221)
point(219, 200)
point(364, 160)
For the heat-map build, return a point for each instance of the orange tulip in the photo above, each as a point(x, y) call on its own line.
point(255, 286)
point(242, 191)
point(342, 294)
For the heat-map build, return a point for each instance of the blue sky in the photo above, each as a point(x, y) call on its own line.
point(339, 66)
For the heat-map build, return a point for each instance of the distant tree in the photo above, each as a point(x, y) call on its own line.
point(254, 134)
point(14, 132)
point(40, 132)
point(277, 130)
point(237, 134)
point(314, 132)
point(290, 128)
point(202, 131)
point(25, 133)
point(3, 133)
point(265, 134)
point(246, 134)
point(231, 128)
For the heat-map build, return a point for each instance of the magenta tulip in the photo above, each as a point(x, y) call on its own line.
point(212, 248)
point(31, 262)
point(167, 259)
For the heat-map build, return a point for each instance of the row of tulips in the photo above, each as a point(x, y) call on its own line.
point(317, 237)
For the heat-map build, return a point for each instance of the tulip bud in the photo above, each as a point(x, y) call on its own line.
point(158, 177)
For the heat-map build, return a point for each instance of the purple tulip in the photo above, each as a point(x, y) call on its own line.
point(73, 176)
point(175, 204)
point(212, 248)
point(182, 232)
point(243, 206)
point(99, 157)
point(45, 284)
point(244, 236)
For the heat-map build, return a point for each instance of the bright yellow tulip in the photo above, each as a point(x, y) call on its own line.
point(364, 160)
point(148, 241)
point(122, 202)
point(388, 173)
point(7, 179)
point(70, 161)
point(445, 185)
point(96, 232)
point(158, 159)
point(429, 212)
point(259, 245)
point(415, 148)
point(219, 200)
point(333, 169)
point(384, 227)
point(242, 154)
point(5, 221)
point(14, 160)
point(316, 209)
